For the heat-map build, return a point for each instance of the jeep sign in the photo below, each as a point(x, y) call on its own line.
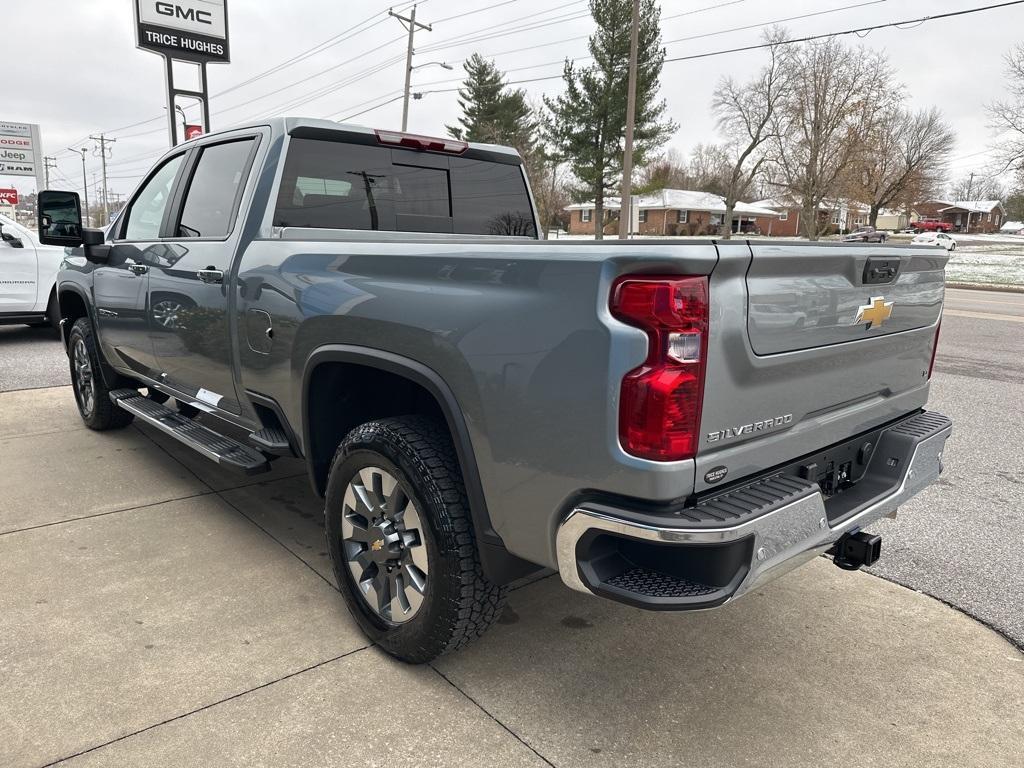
point(20, 151)
point(193, 30)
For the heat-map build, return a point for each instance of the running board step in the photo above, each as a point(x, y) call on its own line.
point(272, 440)
point(213, 445)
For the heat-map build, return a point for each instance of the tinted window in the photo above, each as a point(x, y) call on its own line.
point(490, 199)
point(347, 186)
point(214, 190)
point(147, 209)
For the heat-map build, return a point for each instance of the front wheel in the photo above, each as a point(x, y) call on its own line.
point(91, 392)
point(402, 542)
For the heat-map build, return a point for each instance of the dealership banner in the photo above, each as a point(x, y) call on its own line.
point(21, 151)
point(192, 30)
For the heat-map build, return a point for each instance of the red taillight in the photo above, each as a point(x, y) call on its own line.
point(660, 403)
point(415, 141)
point(935, 348)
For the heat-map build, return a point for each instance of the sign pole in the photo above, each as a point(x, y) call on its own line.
point(172, 122)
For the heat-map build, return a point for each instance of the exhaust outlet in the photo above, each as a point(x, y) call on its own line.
point(855, 550)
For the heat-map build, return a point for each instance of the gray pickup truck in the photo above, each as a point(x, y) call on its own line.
point(668, 423)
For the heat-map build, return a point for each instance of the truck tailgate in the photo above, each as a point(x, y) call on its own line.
point(809, 347)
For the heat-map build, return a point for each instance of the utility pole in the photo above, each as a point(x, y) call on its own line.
point(48, 163)
point(626, 201)
point(411, 24)
point(102, 152)
point(970, 189)
point(85, 181)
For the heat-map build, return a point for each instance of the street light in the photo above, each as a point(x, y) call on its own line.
point(444, 64)
point(85, 181)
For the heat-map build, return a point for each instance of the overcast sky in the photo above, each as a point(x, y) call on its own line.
point(74, 69)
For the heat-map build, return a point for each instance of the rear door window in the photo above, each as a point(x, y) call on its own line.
point(335, 185)
point(214, 190)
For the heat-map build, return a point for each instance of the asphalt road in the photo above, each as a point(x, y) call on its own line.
point(959, 541)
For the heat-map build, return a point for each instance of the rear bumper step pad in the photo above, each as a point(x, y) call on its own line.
point(215, 446)
point(726, 545)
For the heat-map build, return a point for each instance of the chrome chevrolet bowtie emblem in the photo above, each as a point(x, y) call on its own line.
point(874, 313)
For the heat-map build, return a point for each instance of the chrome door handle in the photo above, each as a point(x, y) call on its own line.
point(138, 269)
point(211, 275)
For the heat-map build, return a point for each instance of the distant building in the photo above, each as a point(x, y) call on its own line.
point(965, 215)
point(833, 216)
point(1012, 228)
point(673, 212)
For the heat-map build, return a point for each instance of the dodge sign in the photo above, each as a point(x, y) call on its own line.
point(195, 30)
point(20, 153)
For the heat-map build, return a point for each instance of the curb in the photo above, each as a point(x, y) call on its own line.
point(1000, 287)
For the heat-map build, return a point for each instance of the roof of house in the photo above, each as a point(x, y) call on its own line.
point(1012, 226)
point(680, 199)
point(824, 205)
point(974, 206)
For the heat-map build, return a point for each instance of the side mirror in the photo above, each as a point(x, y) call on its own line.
point(60, 218)
point(11, 240)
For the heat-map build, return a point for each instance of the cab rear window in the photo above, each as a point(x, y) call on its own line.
point(334, 185)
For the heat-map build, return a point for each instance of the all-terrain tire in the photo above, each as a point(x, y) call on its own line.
point(97, 411)
point(459, 603)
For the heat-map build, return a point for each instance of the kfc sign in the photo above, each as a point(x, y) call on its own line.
point(193, 132)
point(9, 196)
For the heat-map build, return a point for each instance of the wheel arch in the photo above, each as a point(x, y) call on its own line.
point(73, 304)
point(377, 371)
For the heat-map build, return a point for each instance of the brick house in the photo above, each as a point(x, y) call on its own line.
point(833, 216)
point(965, 215)
point(671, 212)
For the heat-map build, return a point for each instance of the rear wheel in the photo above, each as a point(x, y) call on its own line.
point(91, 393)
point(402, 542)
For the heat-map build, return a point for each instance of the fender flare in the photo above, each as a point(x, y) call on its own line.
point(487, 538)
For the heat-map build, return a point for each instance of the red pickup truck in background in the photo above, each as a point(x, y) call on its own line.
point(931, 225)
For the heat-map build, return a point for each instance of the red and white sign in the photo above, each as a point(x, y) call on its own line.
point(9, 196)
point(193, 132)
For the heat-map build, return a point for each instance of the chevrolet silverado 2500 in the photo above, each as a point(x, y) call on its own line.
point(668, 423)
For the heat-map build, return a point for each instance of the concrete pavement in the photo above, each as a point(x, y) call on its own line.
point(157, 612)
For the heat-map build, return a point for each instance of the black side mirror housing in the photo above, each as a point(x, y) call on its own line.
point(60, 223)
point(60, 218)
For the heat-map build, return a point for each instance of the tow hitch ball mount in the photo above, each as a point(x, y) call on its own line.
point(855, 550)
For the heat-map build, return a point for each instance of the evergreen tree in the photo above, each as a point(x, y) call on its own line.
point(491, 111)
point(587, 123)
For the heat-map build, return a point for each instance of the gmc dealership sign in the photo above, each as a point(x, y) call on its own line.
point(194, 30)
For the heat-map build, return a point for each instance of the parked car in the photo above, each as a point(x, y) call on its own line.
point(865, 235)
point(936, 238)
point(931, 225)
point(475, 404)
point(28, 277)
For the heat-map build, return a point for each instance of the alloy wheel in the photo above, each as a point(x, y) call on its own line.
point(85, 387)
point(166, 313)
point(383, 544)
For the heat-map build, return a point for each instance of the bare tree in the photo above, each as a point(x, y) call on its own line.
point(1006, 117)
point(746, 115)
point(667, 171)
point(708, 169)
point(904, 151)
point(976, 186)
point(833, 98)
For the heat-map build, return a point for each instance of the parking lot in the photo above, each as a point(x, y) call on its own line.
point(156, 610)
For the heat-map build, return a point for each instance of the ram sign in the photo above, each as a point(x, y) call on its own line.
point(20, 152)
point(194, 30)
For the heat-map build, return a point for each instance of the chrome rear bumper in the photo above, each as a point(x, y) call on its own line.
point(779, 540)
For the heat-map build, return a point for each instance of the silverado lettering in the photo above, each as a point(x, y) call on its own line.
point(746, 429)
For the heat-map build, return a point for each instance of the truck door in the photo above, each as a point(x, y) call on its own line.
point(119, 285)
point(188, 297)
point(18, 271)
